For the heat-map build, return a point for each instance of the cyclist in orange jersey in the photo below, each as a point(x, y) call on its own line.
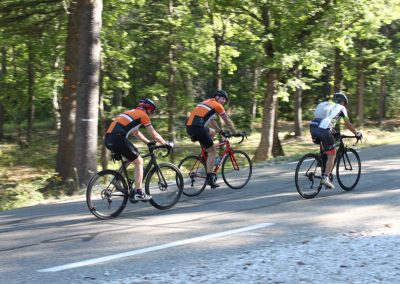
point(197, 128)
point(116, 139)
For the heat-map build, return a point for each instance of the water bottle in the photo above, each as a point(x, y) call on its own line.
point(217, 160)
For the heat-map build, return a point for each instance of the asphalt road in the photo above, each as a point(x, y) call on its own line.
point(64, 243)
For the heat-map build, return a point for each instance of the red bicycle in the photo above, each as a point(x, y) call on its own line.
point(236, 167)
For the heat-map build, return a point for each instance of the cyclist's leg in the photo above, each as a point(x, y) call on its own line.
point(207, 143)
point(328, 142)
point(123, 146)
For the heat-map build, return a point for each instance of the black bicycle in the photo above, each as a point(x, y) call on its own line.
point(108, 191)
point(311, 166)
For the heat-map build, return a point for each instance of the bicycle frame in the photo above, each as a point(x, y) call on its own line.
point(341, 148)
point(228, 151)
point(152, 163)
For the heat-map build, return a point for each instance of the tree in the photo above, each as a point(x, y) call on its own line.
point(87, 111)
point(66, 135)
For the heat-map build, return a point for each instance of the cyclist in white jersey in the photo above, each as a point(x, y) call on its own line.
point(326, 115)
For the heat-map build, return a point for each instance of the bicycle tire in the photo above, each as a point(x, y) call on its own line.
point(194, 175)
point(308, 176)
point(348, 169)
point(164, 195)
point(236, 177)
point(107, 194)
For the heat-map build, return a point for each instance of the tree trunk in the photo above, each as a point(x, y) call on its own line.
point(256, 77)
point(264, 149)
point(55, 100)
point(172, 69)
point(103, 123)
point(277, 149)
point(56, 107)
point(382, 100)
point(360, 93)
point(337, 72)
point(87, 112)
point(3, 72)
point(298, 113)
point(66, 135)
point(217, 78)
point(171, 99)
point(219, 39)
point(31, 94)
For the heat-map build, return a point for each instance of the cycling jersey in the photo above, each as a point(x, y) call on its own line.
point(327, 114)
point(128, 121)
point(204, 112)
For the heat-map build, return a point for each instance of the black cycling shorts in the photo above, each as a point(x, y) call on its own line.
point(324, 135)
point(119, 144)
point(201, 134)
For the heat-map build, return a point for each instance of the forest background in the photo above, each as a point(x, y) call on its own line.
point(67, 67)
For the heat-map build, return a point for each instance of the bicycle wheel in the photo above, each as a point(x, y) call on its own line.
point(308, 176)
point(165, 184)
point(194, 175)
point(107, 194)
point(237, 169)
point(348, 169)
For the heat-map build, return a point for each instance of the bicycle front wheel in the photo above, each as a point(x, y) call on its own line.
point(308, 176)
point(237, 169)
point(165, 184)
point(348, 169)
point(107, 194)
point(194, 175)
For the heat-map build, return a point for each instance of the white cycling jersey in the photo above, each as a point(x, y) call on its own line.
point(327, 114)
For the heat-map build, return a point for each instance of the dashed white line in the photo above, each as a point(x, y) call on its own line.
point(154, 248)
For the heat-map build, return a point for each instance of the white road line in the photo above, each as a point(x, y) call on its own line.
point(155, 248)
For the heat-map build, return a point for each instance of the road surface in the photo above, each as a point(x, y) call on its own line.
point(264, 233)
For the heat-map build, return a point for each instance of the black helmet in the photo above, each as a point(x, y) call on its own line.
point(147, 104)
point(221, 93)
point(339, 97)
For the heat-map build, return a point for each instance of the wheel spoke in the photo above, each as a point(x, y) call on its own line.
point(308, 176)
point(106, 194)
point(237, 169)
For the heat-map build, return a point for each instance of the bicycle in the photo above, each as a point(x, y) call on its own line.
point(236, 167)
point(311, 166)
point(108, 191)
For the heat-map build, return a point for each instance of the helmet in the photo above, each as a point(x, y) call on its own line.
point(147, 104)
point(339, 97)
point(221, 93)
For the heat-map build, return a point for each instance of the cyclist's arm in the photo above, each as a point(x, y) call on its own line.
point(154, 134)
point(139, 135)
point(350, 126)
point(215, 125)
point(228, 122)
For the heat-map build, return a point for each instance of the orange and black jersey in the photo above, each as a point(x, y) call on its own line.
point(205, 111)
point(128, 121)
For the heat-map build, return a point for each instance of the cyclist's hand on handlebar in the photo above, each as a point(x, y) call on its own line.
point(169, 145)
point(225, 133)
point(359, 135)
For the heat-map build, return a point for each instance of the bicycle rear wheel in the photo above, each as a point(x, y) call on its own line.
point(107, 194)
point(237, 169)
point(165, 184)
point(308, 176)
point(348, 169)
point(194, 175)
